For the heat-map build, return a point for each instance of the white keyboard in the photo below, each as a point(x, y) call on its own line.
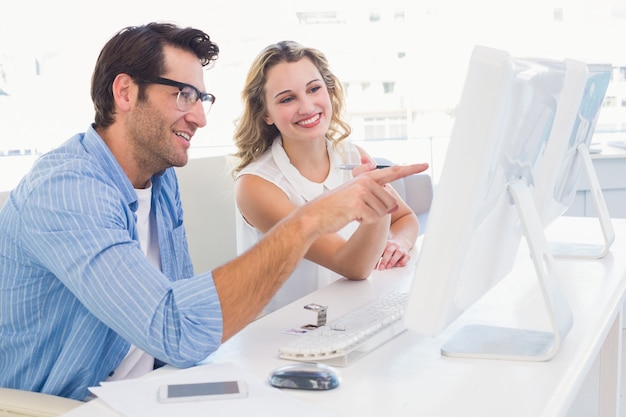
point(358, 331)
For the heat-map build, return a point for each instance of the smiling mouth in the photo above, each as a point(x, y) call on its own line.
point(183, 135)
point(310, 120)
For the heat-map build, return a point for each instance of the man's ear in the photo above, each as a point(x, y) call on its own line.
point(124, 91)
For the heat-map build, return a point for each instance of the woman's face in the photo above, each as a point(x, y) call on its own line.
point(298, 103)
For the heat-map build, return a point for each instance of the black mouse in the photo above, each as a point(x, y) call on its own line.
point(308, 376)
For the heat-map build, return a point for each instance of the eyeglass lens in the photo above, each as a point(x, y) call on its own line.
point(187, 97)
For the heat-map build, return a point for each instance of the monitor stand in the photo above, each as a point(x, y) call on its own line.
point(589, 250)
point(494, 342)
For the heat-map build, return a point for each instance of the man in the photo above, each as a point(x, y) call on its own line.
point(96, 279)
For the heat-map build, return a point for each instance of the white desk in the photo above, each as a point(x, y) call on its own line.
point(408, 377)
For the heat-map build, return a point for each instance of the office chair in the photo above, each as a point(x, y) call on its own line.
point(4, 196)
point(207, 195)
point(416, 190)
point(18, 403)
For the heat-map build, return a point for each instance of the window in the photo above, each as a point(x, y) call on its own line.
point(388, 87)
point(377, 128)
point(312, 18)
point(374, 15)
point(558, 14)
point(402, 69)
point(398, 15)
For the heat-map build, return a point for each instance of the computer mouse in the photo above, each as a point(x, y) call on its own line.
point(308, 376)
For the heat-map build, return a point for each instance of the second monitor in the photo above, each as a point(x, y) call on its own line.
point(511, 111)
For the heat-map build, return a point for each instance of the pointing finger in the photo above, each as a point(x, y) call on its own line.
point(387, 175)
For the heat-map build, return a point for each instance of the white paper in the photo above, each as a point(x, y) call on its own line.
point(138, 397)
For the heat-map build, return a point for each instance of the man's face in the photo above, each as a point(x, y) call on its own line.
point(159, 131)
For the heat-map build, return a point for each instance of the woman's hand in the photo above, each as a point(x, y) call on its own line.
point(394, 255)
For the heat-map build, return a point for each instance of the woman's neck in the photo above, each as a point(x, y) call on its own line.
point(311, 159)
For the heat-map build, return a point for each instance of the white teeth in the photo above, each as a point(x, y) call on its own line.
point(308, 121)
point(184, 136)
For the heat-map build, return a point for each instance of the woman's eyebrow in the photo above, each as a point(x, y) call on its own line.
point(282, 92)
point(289, 91)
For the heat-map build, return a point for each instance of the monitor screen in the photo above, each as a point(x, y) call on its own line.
point(484, 205)
point(569, 167)
point(568, 161)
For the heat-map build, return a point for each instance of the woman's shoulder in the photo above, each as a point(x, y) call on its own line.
point(264, 164)
point(348, 151)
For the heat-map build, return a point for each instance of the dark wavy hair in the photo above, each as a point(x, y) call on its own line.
point(138, 50)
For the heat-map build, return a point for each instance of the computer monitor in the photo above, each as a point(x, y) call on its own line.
point(568, 160)
point(484, 206)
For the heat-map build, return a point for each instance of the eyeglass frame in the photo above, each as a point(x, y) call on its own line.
point(203, 97)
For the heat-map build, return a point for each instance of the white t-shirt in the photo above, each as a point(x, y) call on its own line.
point(275, 167)
point(137, 362)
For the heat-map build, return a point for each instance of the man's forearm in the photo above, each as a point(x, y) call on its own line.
point(246, 284)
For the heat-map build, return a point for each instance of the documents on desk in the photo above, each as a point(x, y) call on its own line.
point(138, 397)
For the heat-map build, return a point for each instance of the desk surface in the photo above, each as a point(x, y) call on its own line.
point(407, 375)
point(608, 151)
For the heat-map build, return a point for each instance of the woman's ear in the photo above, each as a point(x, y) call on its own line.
point(268, 119)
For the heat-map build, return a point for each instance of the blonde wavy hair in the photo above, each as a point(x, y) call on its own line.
point(252, 135)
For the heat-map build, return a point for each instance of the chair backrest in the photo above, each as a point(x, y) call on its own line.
point(207, 194)
point(416, 190)
point(18, 403)
point(4, 196)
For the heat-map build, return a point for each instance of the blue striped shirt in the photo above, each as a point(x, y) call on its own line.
point(75, 288)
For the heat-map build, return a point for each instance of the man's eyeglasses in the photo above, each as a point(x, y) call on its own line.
point(187, 93)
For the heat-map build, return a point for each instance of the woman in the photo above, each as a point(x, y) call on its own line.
point(292, 145)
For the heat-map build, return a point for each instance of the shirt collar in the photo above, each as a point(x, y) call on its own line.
point(94, 145)
point(308, 189)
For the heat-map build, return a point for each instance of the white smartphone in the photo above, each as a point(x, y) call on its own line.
point(203, 391)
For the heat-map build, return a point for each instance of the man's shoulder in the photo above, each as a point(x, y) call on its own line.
point(71, 170)
point(69, 157)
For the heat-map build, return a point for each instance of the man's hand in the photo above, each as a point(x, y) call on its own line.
point(364, 199)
